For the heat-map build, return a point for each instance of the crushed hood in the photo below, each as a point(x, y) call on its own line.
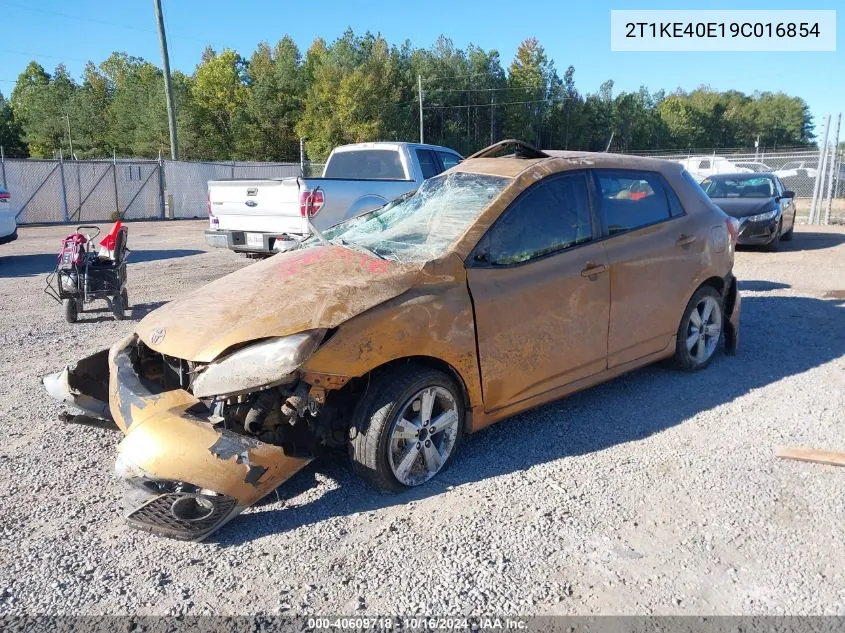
point(318, 287)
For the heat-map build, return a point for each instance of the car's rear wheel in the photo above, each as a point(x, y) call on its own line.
point(700, 330)
point(406, 428)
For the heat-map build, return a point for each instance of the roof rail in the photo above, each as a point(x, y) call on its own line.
point(521, 149)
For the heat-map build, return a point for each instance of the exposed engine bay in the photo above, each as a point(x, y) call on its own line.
point(301, 418)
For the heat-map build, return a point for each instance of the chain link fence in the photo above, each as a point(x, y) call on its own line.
point(106, 190)
point(798, 169)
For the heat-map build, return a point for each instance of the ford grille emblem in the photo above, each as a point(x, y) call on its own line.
point(157, 335)
point(251, 203)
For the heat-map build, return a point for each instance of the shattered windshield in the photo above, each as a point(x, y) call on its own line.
point(739, 187)
point(422, 226)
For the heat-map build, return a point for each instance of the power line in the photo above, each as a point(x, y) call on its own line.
point(486, 89)
point(493, 105)
point(32, 54)
point(96, 21)
point(457, 76)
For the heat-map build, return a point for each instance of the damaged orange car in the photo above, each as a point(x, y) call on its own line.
point(500, 285)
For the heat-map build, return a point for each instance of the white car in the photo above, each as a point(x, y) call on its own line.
point(8, 225)
point(805, 168)
point(703, 166)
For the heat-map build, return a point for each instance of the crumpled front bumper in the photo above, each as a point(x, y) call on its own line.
point(173, 453)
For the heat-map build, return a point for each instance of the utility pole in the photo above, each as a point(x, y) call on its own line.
point(830, 174)
point(492, 110)
point(69, 137)
point(168, 90)
point(419, 84)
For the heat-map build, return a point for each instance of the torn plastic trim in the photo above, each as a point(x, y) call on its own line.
point(157, 505)
point(83, 385)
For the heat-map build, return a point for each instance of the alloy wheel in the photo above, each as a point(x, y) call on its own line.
point(423, 436)
point(704, 329)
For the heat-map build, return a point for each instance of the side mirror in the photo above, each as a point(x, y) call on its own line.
point(788, 194)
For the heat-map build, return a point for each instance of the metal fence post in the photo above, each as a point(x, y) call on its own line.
point(64, 190)
point(161, 186)
point(816, 185)
point(114, 179)
point(830, 174)
point(3, 165)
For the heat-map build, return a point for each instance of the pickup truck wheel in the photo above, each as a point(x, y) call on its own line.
point(406, 428)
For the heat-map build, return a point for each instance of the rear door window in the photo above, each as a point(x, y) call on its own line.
point(632, 199)
point(448, 159)
point(552, 216)
point(375, 164)
point(428, 163)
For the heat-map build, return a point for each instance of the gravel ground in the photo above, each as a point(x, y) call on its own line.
point(657, 493)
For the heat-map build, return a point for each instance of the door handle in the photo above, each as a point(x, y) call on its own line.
point(592, 271)
point(685, 240)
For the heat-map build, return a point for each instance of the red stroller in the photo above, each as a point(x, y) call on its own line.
point(83, 275)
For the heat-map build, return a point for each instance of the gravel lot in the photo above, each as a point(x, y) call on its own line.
point(657, 493)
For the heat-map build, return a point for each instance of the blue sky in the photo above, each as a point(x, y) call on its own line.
point(576, 33)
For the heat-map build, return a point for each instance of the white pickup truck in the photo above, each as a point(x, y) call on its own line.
point(266, 216)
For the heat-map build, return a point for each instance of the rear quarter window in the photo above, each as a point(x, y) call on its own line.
point(632, 199)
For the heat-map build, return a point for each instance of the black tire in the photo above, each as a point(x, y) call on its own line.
point(71, 310)
point(683, 358)
point(119, 304)
point(774, 245)
point(377, 412)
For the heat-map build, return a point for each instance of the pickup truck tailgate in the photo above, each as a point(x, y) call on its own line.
point(257, 205)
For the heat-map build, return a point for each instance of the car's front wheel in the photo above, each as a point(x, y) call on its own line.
point(406, 428)
point(700, 330)
point(774, 245)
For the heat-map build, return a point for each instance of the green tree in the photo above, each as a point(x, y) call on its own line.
point(10, 131)
point(529, 80)
point(219, 98)
point(40, 102)
point(275, 101)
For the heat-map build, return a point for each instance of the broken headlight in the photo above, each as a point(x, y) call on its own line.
point(270, 362)
point(762, 217)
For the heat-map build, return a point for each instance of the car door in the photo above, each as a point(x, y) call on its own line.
point(540, 292)
point(448, 159)
point(654, 251)
point(787, 206)
point(428, 163)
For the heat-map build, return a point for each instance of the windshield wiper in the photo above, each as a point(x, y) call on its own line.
point(339, 241)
